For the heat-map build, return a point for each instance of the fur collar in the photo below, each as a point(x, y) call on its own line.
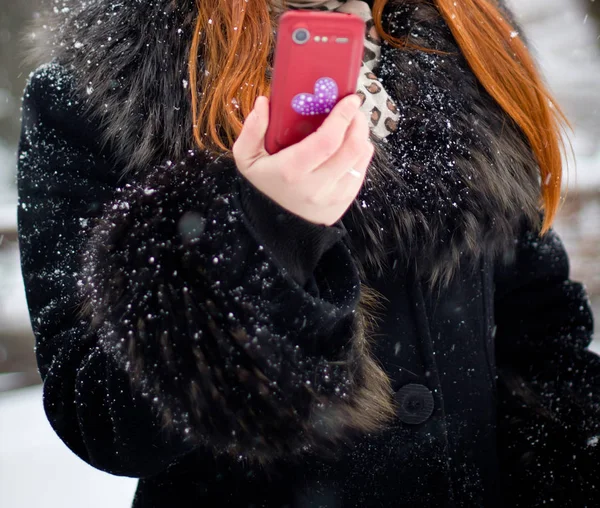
point(452, 186)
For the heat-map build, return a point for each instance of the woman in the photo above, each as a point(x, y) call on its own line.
point(240, 329)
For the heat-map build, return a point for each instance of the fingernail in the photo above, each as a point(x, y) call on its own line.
point(356, 100)
point(256, 101)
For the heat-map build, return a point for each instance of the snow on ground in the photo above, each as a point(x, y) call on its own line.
point(37, 469)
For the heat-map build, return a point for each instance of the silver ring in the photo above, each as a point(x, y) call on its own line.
point(355, 173)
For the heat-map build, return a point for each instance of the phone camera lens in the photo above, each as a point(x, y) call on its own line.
point(300, 35)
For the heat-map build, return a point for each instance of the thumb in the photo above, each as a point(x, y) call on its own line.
point(250, 144)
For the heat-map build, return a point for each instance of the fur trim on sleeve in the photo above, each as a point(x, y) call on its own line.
point(229, 348)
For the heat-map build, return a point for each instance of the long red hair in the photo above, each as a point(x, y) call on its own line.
point(237, 36)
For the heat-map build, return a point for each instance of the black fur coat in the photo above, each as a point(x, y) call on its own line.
point(194, 334)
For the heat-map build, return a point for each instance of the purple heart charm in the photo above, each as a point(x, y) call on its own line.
point(317, 103)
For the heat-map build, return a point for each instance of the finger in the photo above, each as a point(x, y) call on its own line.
point(317, 147)
point(250, 144)
point(352, 151)
point(348, 186)
point(349, 183)
point(325, 178)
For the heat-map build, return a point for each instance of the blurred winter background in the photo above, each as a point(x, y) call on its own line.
point(565, 36)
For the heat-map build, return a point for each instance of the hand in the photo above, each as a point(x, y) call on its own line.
point(309, 178)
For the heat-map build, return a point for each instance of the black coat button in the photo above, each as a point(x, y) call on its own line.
point(415, 403)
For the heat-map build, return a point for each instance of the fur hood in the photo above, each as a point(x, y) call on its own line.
point(454, 183)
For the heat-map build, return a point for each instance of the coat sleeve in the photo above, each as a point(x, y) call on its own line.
point(549, 381)
point(170, 312)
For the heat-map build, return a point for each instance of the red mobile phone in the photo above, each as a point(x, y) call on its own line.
point(317, 59)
